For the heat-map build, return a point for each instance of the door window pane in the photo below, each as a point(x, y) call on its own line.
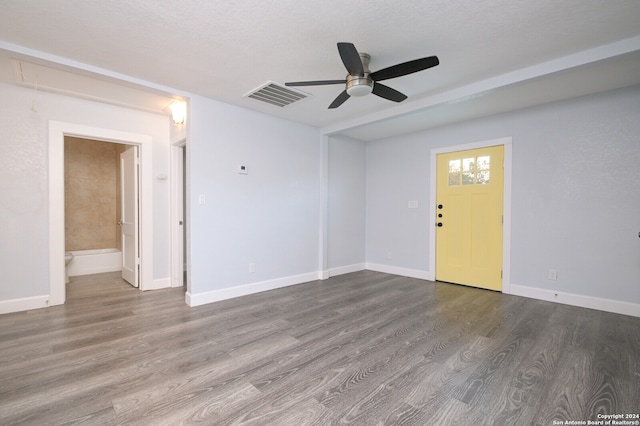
point(470, 171)
point(483, 177)
point(484, 163)
point(454, 172)
point(483, 173)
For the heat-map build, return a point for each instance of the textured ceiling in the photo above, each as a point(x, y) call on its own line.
point(223, 49)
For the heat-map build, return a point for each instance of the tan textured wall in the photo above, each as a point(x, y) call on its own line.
point(91, 194)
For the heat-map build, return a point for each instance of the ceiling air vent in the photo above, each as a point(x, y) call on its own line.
point(276, 94)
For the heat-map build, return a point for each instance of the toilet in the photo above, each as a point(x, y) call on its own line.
point(68, 257)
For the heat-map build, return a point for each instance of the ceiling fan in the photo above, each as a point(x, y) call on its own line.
point(361, 81)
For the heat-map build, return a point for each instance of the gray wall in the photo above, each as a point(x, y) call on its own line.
point(575, 194)
point(346, 203)
point(269, 217)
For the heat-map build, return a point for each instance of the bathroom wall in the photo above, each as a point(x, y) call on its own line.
point(92, 188)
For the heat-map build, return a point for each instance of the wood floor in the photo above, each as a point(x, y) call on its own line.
point(364, 348)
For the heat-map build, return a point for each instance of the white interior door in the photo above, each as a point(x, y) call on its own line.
point(129, 215)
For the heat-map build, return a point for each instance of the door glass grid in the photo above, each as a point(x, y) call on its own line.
point(470, 171)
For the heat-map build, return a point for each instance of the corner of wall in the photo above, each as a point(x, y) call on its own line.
point(347, 269)
point(394, 270)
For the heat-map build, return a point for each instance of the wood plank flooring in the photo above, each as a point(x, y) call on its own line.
point(364, 349)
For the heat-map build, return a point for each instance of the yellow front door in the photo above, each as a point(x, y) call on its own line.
point(469, 205)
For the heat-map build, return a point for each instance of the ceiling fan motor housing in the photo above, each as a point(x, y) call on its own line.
point(360, 85)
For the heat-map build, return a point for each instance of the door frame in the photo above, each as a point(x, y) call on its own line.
point(57, 131)
point(178, 233)
point(506, 142)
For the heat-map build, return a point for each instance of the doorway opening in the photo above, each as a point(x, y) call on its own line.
point(57, 133)
point(101, 190)
point(505, 143)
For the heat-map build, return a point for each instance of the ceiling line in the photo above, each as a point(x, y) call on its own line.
point(43, 58)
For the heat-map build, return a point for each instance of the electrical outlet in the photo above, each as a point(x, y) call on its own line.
point(389, 255)
point(553, 274)
point(252, 268)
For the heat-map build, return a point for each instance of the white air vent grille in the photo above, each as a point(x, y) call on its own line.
point(276, 94)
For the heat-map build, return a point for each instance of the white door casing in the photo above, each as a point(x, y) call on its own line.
point(57, 131)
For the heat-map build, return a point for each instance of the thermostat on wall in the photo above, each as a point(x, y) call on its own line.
point(242, 170)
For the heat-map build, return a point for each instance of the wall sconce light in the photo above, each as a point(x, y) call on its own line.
point(178, 112)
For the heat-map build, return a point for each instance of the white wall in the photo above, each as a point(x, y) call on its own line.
point(575, 195)
point(346, 204)
point(24, 137)
point(269, 217)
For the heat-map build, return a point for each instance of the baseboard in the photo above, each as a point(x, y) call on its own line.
point(607, 305)
point(341, 270)
point(158, 284)
point(243, 290)
point(394, 270)
point(24, 304)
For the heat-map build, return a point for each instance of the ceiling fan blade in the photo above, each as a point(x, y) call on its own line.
point(351, 59)
point(405, 68)
point(388, 93)
point(315, 83)
point(342, 97)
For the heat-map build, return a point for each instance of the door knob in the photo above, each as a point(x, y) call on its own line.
point(440, 206)
point(439, 224)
